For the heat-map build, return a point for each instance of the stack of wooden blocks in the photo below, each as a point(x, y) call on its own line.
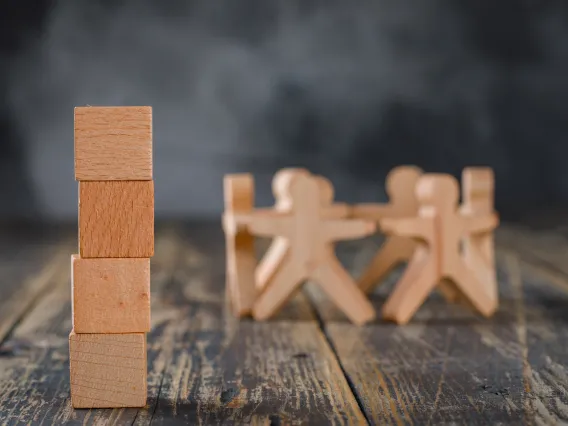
point(111, 273)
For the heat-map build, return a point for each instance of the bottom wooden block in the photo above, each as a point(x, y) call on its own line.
point(108, 370)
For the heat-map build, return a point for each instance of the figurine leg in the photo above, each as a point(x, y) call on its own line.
point(418, 281)
point(394, 251)
point(271, 262)
point(343, 291)
point(473, 289)
point(278, 291)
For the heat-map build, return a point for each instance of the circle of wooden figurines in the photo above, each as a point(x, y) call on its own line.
point(446, 245)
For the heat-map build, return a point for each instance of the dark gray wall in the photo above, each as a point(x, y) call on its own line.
point(346, 88)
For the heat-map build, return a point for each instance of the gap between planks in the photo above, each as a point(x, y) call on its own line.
point(333, 350)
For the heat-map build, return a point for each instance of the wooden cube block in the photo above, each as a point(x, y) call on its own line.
point(113, 143)
point(108, 370)
point(111, 295)
point(116, 219)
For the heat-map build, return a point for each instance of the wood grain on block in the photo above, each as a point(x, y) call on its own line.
point(238, 192)
point(111, 295)
point(113, 143)
point(108, 370)
point(116, 219)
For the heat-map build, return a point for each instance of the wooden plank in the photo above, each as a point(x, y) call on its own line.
point(544, 248)
point(219, 369)
point(116, 219)
point(113, 143)
point(449, 366)
point(543, 325)
point(204, 366)
point(111, 295)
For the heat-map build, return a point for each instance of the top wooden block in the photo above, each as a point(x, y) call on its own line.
point(113, 143)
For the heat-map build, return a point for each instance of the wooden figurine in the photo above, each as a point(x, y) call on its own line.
point(400, 188)
point(439, 228)
point(478, 194)
point(310, 237)
point(278, 249)
point(240, 254)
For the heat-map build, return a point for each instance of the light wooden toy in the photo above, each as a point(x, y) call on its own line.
point(478, 186)
point(108, 370)
point(111, 295)
point(400, 187)
point(310, 237)
point(240, 249)
point(439, 228)
point(113, 143)
point(277, 251)
point(244, 281)
point(478, 195)
point(111, 273)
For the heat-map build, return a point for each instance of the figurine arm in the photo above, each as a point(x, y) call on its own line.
point(335, 211)
point(348, 229)
point(481, 223)
point(414, 227)
point(269, 225)
point(370, 211)
point(234, 223)
point(263, 223)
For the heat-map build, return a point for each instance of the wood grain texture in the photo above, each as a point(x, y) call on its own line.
point(204, 367)
point(116, 219)
point(107, 370)
point(113, 143)
point(34, 364)
point(449, 367)
point(28, 274)
point(219, 370)
point(111, 295)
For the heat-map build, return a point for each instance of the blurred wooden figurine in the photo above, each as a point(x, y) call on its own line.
point(279, 247)
point(309, 236)
point(439, 227)
point(240, 251)
point(478, 195)
point(400, 188)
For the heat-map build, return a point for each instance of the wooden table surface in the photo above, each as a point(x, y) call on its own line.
point(308, 365)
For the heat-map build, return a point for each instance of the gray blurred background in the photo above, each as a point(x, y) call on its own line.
point(348, 89)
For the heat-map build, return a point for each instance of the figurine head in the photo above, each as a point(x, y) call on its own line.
point(438, 190)
point(401, 183)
